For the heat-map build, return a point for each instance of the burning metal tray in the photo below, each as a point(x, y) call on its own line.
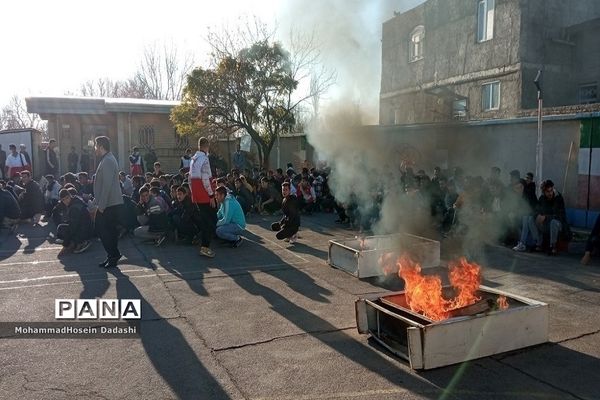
point(360, 256)
point(427, 344)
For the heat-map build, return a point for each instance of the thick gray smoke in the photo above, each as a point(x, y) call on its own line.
point(367, 163)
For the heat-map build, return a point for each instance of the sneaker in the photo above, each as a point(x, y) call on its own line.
point(160, 240)
point(238, 242)
point(207, 252)
point(82, 247)
point(59, 241)
point(294, 239)
point(520, 247)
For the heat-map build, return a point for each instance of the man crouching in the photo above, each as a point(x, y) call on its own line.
point(77, 230)
point(290, 223)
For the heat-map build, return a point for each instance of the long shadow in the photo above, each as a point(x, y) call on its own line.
point(170, 353)
point(300, 247)
point(35, 236)
point(9, 244)
point(341, 342)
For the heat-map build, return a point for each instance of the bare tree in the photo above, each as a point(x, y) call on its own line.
point(162, 74)
point(15, 116)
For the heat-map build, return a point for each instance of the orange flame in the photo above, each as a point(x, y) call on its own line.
point(502, 302)
point(424, 293)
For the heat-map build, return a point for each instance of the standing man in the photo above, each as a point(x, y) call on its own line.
point(108, 201)
point(85, 161)
point(15, 162)
point(26, 156)
point(239, 159)
point(185, 160)
point(2, 162)
point(51, 159)
point(73, 160)
point(203, 195)
point(137, 166)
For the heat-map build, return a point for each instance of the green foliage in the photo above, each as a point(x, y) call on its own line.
point(250, 91)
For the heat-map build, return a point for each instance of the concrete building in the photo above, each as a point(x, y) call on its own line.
point(474, 60)
point(76, 121)
point(457, 88)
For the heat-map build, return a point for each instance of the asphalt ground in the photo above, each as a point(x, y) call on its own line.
point(270, 320)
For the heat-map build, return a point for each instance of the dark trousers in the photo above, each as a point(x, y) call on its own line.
point(286, 231)
point(106, 227)
point(593, 241)
point(208, 223)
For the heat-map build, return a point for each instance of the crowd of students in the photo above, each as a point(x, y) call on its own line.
point(199, 202)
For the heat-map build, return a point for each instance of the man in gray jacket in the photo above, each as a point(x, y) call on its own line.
point(108, 201)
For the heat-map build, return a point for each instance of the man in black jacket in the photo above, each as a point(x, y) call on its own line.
point(77, 230)
point(9, 210)
point(290, 223)
point(31, 200)
point(185, 216)
point(551, 216)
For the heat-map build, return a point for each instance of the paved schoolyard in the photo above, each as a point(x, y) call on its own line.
point(271, 320)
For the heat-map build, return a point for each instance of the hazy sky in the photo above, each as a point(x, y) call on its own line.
point(51, 47)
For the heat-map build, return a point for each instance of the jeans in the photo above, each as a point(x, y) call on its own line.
point(555, 228)
point(528, 226)
point(229, 232)
point(142, 232)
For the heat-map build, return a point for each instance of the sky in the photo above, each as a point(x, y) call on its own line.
point(52, 47)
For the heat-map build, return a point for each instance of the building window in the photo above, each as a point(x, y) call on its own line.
point(485, 20)
point(588, 93)
point(417, 37)
point(146, 136)
point(459, 109)
point(490, 96)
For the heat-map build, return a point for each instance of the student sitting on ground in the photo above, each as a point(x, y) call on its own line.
point(243, 196)
point(76, 232)
point(270, 198)
point(9, 210)
point(51, 196)
point(287, 228)
point(230, 217)
point(31, 200)
point(551, 216)
point(185, 216)
point(152, 216)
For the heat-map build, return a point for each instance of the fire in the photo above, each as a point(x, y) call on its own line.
point(424, 293)
point(502, 302)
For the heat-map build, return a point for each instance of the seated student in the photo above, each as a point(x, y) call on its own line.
point(243, 196)
point(593, 242)
point(126, 184)
point(290, 223)
point(152, 216)
point(306, 196)
point(50, 196)
point(185, 216)
point(164, 195)
point(9, 209)
point(551, 216)
point(270, 199)
point(76, 232)
point(86, 186)
point(31, 200)
point(231, 221)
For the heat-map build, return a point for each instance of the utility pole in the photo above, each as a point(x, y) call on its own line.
point(539, 154)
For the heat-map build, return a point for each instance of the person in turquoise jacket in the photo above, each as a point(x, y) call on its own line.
point(231, 220)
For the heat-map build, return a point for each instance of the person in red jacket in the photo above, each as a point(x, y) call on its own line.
point(203, 195)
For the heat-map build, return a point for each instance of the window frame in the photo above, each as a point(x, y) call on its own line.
point(589, 100)
point(491, 96)
point(417, 32)
point(487, 33)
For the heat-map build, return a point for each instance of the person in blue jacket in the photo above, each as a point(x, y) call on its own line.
point(231, 221)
